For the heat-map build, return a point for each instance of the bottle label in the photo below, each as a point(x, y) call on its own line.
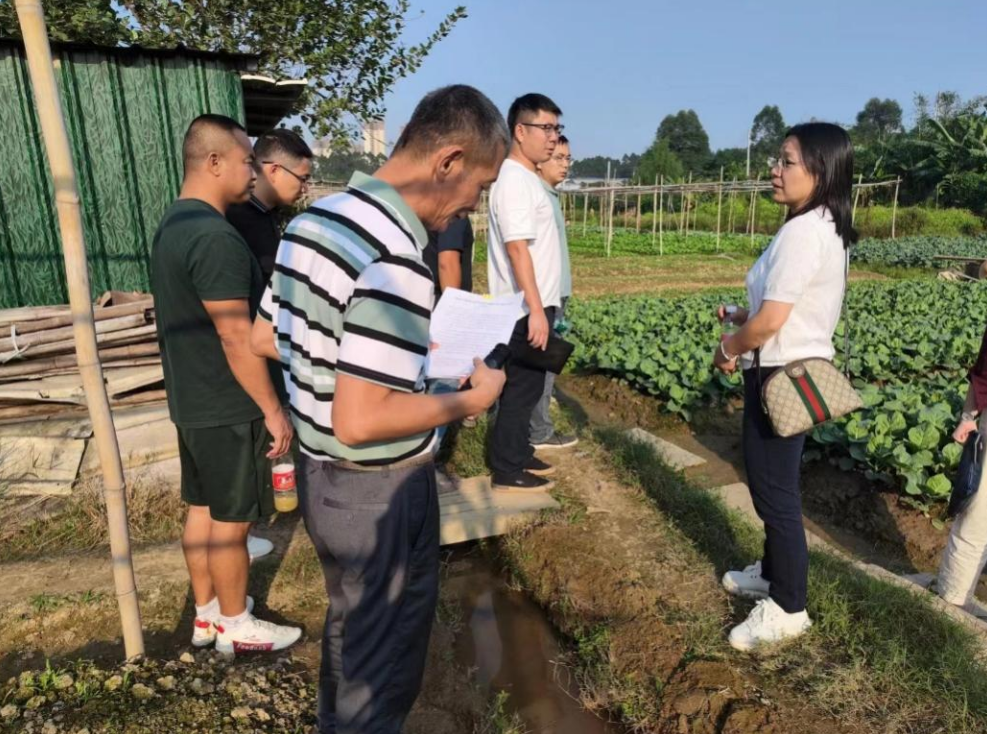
point(283, 478)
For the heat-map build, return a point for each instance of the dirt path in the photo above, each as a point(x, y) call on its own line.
point(646, 613)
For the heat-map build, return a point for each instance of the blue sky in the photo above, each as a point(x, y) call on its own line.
point(616, 68)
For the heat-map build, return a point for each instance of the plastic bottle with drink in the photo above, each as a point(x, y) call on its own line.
point(729, 326)
point(283, 479)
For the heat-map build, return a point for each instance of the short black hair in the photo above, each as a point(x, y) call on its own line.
point(281, 142)
point(563, 140)
point(455, 114)
point(529, 104)
point(202, 135)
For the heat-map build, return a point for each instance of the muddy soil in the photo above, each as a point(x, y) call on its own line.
point(630, 590)
point(859, 516)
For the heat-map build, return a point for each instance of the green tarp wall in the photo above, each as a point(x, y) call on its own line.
point(127, 111)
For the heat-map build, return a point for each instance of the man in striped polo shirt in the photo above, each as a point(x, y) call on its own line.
point(350, 303)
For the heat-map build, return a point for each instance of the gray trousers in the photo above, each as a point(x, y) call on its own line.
point(377, 537)
point(542, 427)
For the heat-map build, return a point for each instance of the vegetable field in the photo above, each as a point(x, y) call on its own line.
point(911, 344)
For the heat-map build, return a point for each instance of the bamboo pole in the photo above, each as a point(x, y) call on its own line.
point(856, 199)
point(585, 212)
point(46, 94)
point(661, 216)
point(625, 211)
point(637, 227)
point(610, 223)
point(733, 196)
point(100, 314)
point(894, 209)
point(754, 213)
point(654, 214)
point(109, 355)
point(719, 210)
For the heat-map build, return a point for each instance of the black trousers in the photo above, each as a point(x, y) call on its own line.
point(773, 465)
point(510, 448)
point(377, 536)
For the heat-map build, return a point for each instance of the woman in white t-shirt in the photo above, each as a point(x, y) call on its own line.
point(795, 292)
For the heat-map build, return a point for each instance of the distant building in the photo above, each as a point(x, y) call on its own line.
point(374, 138)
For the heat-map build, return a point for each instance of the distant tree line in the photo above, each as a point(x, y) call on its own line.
point(941, 158)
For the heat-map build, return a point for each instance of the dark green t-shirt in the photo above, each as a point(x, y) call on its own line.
point(198, 256)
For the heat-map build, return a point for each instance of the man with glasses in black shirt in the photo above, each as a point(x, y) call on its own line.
point(284, 169)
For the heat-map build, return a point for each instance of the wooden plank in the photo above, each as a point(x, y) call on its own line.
point(140, 445)
point(40, 465)
point(128, 379)
point(50, 427)
point(129, 417)
point(483, 524)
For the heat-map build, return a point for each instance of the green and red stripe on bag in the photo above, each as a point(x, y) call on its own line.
point(805, 393)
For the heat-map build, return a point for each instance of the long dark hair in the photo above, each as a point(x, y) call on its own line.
point(827, 154)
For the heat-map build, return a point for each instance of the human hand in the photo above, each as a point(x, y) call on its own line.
point(486, 385)
point(538, 330)
point(724, 365)
point(963, 431)
point(278, 424)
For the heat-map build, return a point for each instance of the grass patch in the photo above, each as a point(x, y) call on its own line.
point(155, 512)
point(877, 653)
point(464, 450)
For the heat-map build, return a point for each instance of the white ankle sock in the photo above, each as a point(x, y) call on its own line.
point(231, 623)
point(210, 611)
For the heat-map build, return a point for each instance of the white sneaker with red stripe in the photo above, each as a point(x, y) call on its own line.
point(204, 630)
point(256, 635)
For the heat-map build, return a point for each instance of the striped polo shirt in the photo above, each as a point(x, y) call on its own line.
point(351, 295)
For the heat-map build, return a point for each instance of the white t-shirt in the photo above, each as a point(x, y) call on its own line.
point(520, 209)
point(804, 265)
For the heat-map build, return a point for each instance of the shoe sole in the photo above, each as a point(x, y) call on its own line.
point(523, 490)
point(542, 472)
point(232, 648)
point(746, 593)
point(550, 446)
point(745, 646)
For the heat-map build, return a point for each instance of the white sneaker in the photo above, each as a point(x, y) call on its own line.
point(768, 623)
point(256, 635)
point(258, 547)
point(747, 583)
point(204, 630)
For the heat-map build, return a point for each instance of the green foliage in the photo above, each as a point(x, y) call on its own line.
point(94, 21)
point(908, 360)
point(657, 161)
point(627, 242)
point(686, 138)
point(350, 50)
point(767, 135)
point(918, 251)
point(597, 166)
point(342, 163)
point(877, 120)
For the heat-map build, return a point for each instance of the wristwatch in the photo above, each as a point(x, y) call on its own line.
point(966, 416)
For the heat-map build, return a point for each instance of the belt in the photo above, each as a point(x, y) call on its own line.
point(422, 460)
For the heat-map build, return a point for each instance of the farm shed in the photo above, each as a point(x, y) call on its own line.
point(127, 110)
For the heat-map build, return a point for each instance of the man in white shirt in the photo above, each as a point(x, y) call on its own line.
point(553, 172)
point(524, 255)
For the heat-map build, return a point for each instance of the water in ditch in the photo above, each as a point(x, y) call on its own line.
point(509, 644)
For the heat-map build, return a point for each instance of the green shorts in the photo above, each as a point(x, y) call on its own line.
point(226, 469)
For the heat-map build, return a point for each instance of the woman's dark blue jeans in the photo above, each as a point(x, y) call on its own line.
point(773, 465)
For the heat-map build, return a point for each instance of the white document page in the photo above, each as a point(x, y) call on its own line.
point(467, 325)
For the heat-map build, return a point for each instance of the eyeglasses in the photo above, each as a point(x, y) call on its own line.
point(546, 127)
point(303, 180)
point(782, 163)
point(562, 158)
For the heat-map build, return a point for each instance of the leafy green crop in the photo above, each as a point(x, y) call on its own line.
point(918, 252)
point(912, 342)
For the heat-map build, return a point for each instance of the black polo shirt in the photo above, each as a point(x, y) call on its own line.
point(458, 236)
point(261, 228)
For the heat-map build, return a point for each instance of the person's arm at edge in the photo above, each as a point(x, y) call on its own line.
point(232, 321)
point(524, 275)
point(262, 342)
point(450, 269)
point(363, 412)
